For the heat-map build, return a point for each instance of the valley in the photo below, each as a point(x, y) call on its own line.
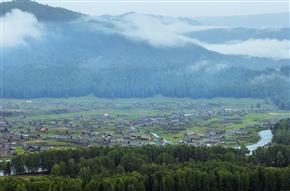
point(147, 96)
point(33, 125)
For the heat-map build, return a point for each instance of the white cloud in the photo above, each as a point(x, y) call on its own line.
point(269, 48)
point(18, 26)
point(169, 31)
point(155, 30)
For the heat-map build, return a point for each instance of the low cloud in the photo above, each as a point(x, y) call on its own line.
point(207, 66)
point(165, 31)
point(18, 26)
point(268, 48)
point(155, 30)
point(269, 78)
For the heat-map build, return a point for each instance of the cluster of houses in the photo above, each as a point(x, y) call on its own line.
point(215, 136)
point(6, 138)
point(265, 125)
point(172, 121)
point(107, 129)
point(212, 136)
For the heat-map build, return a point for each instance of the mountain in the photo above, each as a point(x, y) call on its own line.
point(162, 19)
point(40, 11)
point(253, 21)
point(240, 34)
point(122, 56)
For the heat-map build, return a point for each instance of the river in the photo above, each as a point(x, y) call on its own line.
point(266, 138)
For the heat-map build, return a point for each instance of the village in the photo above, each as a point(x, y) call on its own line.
point(172, 122)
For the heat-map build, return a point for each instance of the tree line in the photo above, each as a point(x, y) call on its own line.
point(152, 168)
point(281, 132)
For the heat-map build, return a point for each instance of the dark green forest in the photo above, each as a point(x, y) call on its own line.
point(153, 168)
point(281, 132)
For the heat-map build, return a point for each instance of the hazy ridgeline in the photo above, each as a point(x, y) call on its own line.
point(70, 54)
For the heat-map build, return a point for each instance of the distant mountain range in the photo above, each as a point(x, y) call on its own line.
point(253, 21)
point(63, 53)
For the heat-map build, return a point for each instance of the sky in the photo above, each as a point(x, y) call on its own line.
point(173, 8)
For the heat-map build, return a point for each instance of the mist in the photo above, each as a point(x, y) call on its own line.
point(158, 31)
point(267, 48)
point(161, 31)
point(18, 27)
point(207, 66)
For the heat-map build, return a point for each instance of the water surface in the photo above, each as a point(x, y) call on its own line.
point(266, 138)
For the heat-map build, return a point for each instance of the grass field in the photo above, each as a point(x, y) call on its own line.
point(133, 107)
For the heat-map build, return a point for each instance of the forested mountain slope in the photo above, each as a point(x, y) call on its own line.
point(74, 55)
point(41, 12)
